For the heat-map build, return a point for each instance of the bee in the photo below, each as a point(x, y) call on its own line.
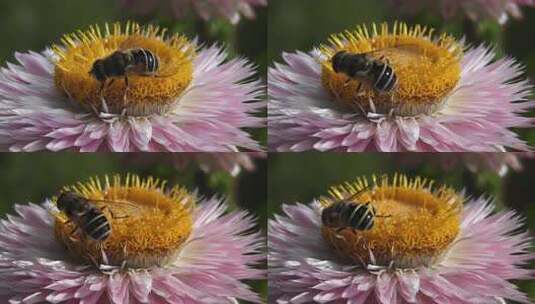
point(87, 216)
point(364, 67)
point(122, 62)
point(346, 213)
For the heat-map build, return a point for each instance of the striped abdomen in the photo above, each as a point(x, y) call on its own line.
point(385, 78)
point(95, 224)
point(146, 59)
point(344, 214)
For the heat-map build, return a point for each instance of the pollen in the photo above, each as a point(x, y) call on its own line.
point(149, 223)
point(427, 68)
point(415, 221)
point(146, 93)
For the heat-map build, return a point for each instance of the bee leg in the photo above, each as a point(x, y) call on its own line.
point(73, 231)
point(110, 82)
point(102, 85)
point(127, 87)
point(101, 95)
point(67, 92)
point(125, 254)
point(338, 236)
point(359, 89)
point(372, 105)
point(103, 255)
point(93, 260)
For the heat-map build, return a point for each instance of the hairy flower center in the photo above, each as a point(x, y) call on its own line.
point(149, 90)
point(414, 224)
point(426, 69)
point(148, 225)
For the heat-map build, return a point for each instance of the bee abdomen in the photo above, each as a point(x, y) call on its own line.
point(361, 217)
point(97, 227)
point(147, 58)
point(386, 79)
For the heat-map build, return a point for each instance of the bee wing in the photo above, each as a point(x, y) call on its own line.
point(356, 194)
point(397, 47)
point(132, 42)
point(164, 75)
point(118, 208)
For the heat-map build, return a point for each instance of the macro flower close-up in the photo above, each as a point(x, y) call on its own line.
point(397, 88)
point(424, 243)
point(165, 245)
point(476, 10)
point(232, 10)
point(187, 97)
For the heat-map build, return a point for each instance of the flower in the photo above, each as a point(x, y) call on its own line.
point(163, 248)
point(231, 162)
point(198, 101)
point(444, 100)
point(499, 163)
point(232, 10)
point(436, 254)
point(498, 10)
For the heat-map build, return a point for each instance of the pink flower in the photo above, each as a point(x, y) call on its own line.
point(499, 10)
point(499, 163)
point(35, 268)
point(231, 162)
point(487, 253)
point(208, 115)
point(476, 115)
point(231, 10)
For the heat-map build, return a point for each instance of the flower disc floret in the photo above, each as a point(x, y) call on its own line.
point(149, 224)
point(145, 94)
point(427, 68)
point(414, 223)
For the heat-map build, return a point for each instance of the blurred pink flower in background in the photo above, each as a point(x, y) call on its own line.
point(489, 251)
point(499, 10)
point(232, 162)
point(221, 251)
point(231, 10)
point(499, 163)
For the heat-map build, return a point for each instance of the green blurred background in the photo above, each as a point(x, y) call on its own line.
point(304, 24)
point(37, 176)
point(34, 25)
point(300, 177)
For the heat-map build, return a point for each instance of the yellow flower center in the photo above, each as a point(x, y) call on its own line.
point(427, 69)
point(414, 222)
point(148, 224)
point(148, 91)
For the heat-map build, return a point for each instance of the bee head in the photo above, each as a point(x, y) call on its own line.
point(68, 201)
point(330, 217)
point(97, 71)
point(337, 60)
